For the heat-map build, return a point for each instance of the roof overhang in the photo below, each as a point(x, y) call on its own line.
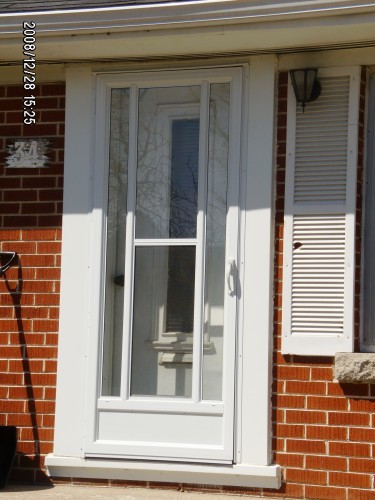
point(193, 27)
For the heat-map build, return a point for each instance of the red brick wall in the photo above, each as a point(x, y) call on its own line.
point(324, 432)
point(30, 224)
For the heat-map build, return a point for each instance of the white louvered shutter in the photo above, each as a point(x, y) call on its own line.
point(319, 224)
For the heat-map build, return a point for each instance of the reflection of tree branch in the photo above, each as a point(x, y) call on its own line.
point(171, 209)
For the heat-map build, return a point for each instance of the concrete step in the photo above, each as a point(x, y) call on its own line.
point(62, 492)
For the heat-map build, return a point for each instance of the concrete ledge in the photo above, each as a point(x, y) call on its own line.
point(355, 368)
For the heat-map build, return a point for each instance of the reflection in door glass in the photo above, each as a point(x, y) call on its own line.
point(116, 223)
point(212, 375)
point(165, 272)
point(179, 314)
point(167, 172)
point(163, 319)
point(184, 178)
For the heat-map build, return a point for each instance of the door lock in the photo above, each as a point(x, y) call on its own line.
point(119, 280)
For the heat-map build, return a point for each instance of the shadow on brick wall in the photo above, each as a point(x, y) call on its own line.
point(15, 292)
point(30, 224)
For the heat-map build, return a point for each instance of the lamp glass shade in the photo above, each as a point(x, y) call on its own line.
point(304, 84)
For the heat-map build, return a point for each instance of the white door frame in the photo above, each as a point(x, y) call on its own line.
point(253, 424)
point(202, 414)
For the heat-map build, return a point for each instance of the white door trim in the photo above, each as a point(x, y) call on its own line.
point(124, 442)
point(255, 268)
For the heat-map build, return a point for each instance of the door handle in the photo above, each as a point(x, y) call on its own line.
point(231, 266)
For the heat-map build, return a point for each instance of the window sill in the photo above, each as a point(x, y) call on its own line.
point(355, 368)
point(255, 476)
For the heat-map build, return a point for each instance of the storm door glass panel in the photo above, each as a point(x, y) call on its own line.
point(165, 264)
point(212, 376)
point(116, 223)
point(155, 268)
point(167, 170)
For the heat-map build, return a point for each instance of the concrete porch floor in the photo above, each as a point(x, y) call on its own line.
point(28, 492)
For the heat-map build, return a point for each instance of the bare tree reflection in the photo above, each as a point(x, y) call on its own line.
point(166, 198)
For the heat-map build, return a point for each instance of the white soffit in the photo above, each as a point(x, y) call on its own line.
point(167, 29)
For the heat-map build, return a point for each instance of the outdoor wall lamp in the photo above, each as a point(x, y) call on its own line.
point(305, 85)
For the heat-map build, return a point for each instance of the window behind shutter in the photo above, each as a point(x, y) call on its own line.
point(368, 334)
point(319, 224)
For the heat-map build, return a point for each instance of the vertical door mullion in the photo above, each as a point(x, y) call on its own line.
point(129, 245)
point(200, 247)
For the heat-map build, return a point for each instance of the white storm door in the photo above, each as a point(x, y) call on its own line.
point(167, 358)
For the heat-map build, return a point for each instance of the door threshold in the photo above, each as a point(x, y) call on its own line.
point(245, 475)
point(155, 459)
